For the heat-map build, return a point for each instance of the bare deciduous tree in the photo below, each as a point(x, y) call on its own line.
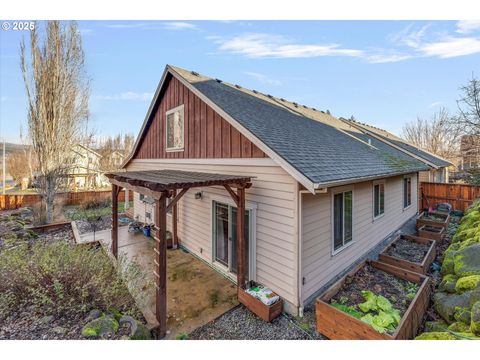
point(114, 150)
point(438, 135)
point(58, 93)
point(18, 166)
point(469, 107)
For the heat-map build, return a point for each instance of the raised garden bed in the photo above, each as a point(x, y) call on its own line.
point(410, 253)
point(263, 311)
point(435, 218)
point(431, 232)
point(381, 279)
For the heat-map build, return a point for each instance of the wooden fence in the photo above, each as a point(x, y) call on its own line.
point(460, 196)
point(15, 201)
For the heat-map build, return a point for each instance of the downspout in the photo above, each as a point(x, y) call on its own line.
point(299, 249)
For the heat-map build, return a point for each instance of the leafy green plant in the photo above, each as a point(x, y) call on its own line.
point(351, 310)
point(182, 336)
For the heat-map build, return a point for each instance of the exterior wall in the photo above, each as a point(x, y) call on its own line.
point(318, 264)
point(273, 198)
point(440, 175)
point(206, 133)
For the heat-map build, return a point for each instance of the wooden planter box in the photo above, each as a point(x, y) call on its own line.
point(264, 312)
point(431, 232)
point(338, 325)
point(420, 268)
point(421, 221)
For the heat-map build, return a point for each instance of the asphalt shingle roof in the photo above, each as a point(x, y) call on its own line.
point(321, 152)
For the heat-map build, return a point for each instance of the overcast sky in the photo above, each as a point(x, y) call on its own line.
point(385, 73)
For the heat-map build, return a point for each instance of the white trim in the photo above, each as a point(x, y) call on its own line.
point(375, 183)
point(344, 246)
point(217, 161)
point(252, 245)
point(404, 193)
point(179, 109)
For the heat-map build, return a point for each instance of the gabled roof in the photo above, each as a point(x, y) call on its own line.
point(317, 149)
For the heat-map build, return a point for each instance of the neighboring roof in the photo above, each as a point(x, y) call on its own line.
point(160, 180)
point(316, 148)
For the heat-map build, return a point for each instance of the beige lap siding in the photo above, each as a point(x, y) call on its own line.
point(273, 194)
point(318, 264)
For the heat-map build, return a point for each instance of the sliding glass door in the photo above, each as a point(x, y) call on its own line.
point(225, 235)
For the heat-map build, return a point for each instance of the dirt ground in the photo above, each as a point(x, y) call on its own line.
point(196, 293)
point(408, 250)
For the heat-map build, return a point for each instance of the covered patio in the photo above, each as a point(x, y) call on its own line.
point(173, 184)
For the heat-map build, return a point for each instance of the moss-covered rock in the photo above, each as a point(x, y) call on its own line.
point(436, 336)
point(466, 261)
point(462, 315)
point(435, 326)
point(103, 326)
point(459, 327)
point(447, 304)
point(475, 319)
point(448, 283)
point(466, 283)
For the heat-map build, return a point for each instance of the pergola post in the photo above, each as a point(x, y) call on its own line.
point(241, 243)
point(161, 264)
point(174, 222)
point(115, 191)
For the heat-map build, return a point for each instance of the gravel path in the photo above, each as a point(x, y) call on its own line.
point(240, 324)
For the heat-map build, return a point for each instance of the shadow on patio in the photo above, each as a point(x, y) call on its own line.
point(196, 294)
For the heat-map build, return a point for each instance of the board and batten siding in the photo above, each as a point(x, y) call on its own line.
point(319, 266)
point(274, 197)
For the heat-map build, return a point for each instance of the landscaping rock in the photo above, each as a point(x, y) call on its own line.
point(448, 283)
point(447, 304)
point(435, 326)
point(466, 283)
point(475, 319)
point(138, 331)
point(459, 327)
point(436, 336)
point(462, 315)
point(59, 330)
point(94, 314)
point(466, 261)
point(103, 326)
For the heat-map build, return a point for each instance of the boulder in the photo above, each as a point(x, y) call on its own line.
point(436, 336)
point(466, 283)
point(475, 319)
point(94, 314)
point(467, 261)
point(102, 326)
point(448, 283)
point(138, 331)
point(435, 326)
point(459, 327)
point(462, 315)
point(447, 304)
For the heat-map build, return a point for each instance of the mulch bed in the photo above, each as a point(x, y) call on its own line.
point(377, 281)
point(103, 223)
point(408, 250)
point(64, 233)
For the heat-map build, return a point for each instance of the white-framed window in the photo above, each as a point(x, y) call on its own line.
point(342, 219)
point(407, 191)
point(378, 199)
point(174, 129)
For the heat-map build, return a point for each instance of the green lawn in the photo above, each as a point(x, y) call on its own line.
point(75, 212)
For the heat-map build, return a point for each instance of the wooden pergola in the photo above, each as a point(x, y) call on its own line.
point(164, 184)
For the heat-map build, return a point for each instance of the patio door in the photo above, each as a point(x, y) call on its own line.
point(225, 235)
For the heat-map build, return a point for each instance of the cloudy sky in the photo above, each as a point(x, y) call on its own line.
point(385, 73)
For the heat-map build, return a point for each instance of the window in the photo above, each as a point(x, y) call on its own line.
point(378, 199)
point(342, 219)
point(174, 129)
point(407, 191)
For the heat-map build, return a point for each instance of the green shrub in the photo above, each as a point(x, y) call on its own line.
point(59, 278)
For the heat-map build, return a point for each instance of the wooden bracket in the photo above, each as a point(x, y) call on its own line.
point(232, 193)
point(176, 199)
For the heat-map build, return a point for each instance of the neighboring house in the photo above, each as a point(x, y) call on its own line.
point(85, 171)
point(325, 192)
point(469, 152)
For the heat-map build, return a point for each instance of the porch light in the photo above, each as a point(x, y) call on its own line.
point(199, 195)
